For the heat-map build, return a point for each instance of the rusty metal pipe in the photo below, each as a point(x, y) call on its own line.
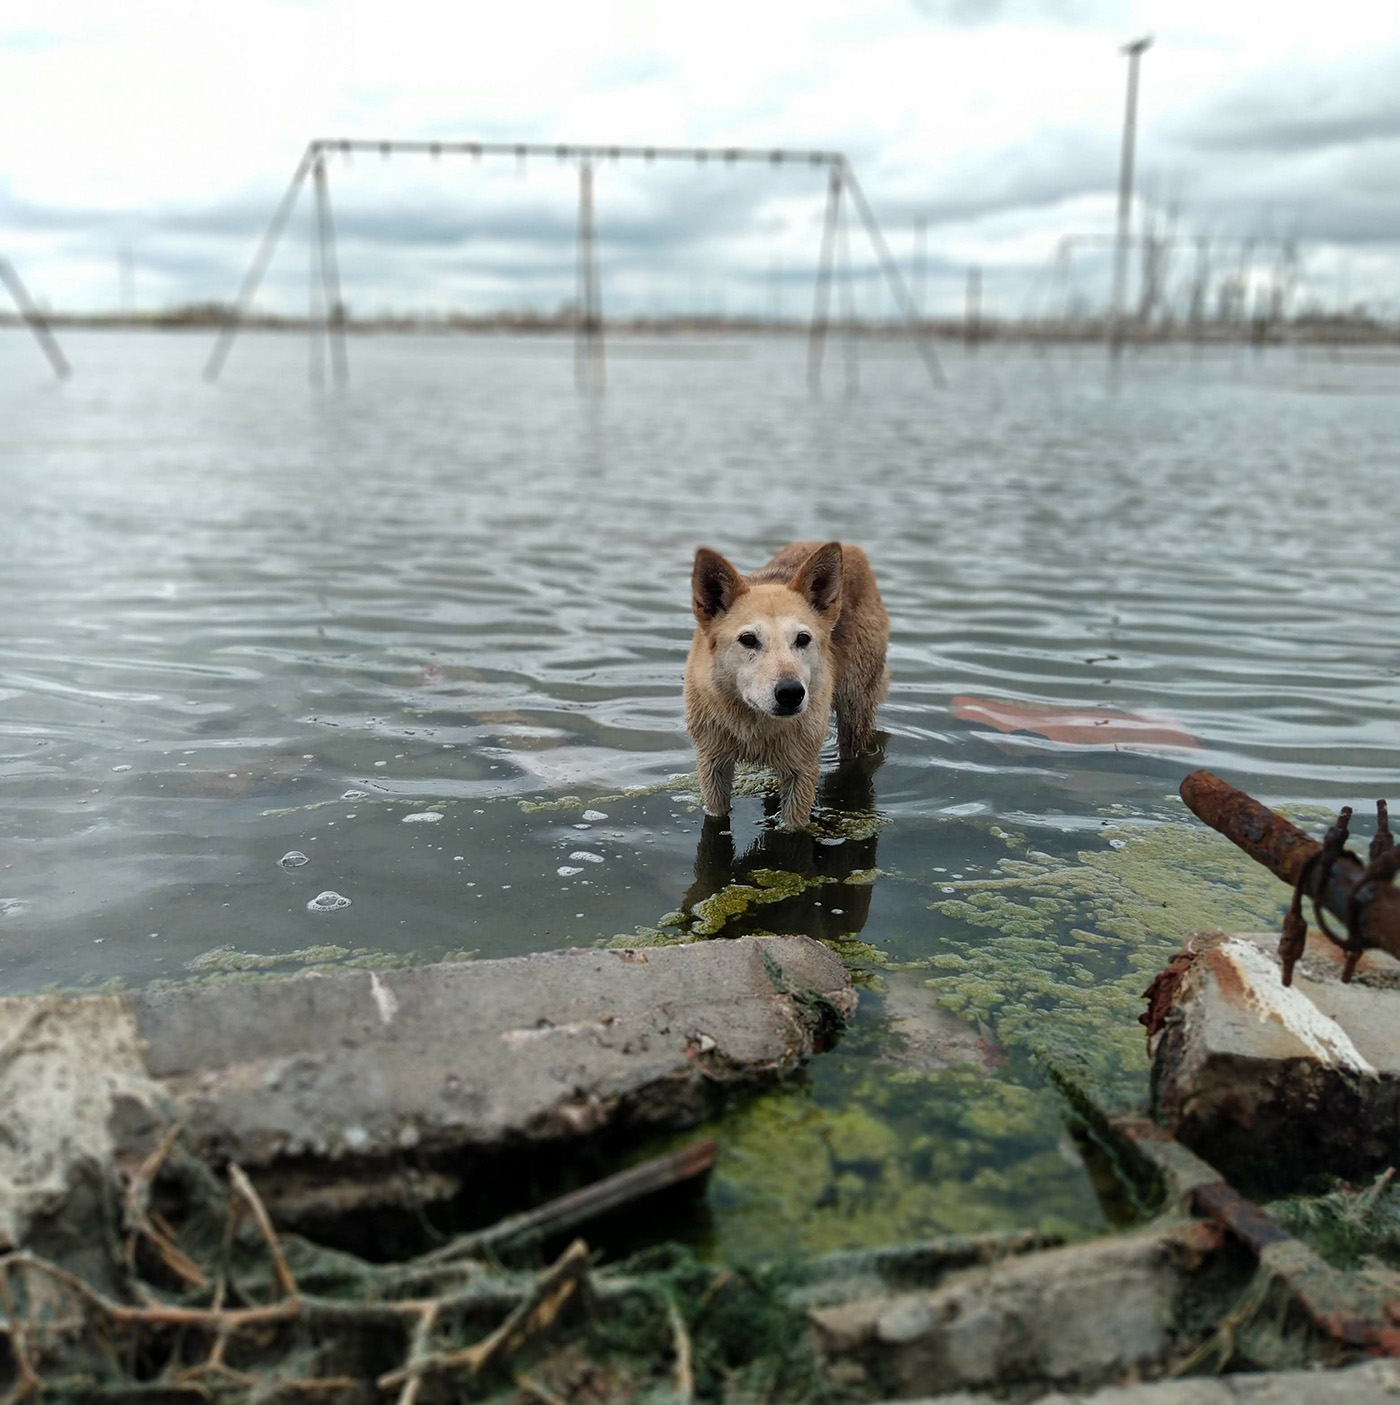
point(1284, 849)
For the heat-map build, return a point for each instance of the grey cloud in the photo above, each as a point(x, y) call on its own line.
point(966, 14)
point(1292, 111)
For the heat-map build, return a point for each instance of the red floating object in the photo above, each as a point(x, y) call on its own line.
point(1075, 726)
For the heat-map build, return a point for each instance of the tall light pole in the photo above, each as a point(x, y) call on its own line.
point(1134, 51)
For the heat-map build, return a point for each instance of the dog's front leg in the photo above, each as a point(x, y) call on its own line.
point(716, 783)
point(799, 793)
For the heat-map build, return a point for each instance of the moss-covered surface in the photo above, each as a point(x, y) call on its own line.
point(1348, 1225)
point(1054, 955)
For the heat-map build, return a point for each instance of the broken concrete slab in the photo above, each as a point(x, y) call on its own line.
point(1076, 1317)
point(1273, 1083)
point(332, 1076)
point(1371, 1383)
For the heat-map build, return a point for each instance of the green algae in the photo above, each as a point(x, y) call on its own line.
point(228, 958)
point(1054, 957)
point(894, 1157)
point(1347, 1225)
point(711, 915)
point(227, 963)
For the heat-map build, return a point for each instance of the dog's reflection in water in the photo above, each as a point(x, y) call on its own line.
point(808, 866)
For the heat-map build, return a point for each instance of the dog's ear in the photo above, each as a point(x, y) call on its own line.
point(818, 580)
point(714, 585)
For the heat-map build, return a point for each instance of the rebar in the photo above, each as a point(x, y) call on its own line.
point(1360, 895)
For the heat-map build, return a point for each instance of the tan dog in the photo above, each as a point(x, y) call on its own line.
point(772, 654)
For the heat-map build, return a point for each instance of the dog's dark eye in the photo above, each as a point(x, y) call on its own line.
point(749, 639)
point(803, 639)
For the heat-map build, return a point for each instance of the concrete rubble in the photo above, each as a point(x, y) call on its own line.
point(1271, 1083)
point(327, 1077)
point(1371, 1383)
point(1080, 1316)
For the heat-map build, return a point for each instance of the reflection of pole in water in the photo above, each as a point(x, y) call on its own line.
point(1134, 51)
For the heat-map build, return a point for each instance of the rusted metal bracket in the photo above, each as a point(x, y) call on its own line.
point(1355, 1312)
point(1360, 895)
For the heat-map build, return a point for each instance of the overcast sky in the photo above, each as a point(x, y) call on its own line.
point(171, 129)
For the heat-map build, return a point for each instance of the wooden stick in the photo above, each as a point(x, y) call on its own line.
point(560, 1216)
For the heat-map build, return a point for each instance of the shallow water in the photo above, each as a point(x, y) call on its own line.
point(249, 619)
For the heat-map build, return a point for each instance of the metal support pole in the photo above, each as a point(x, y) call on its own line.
point(1200, 285)
point(972, 331)
point(821, 305)
point(34, 320)
point(315, 309)
point(256, 269)
point(589, 366)
point(330, 278)
point(920, 278)
point(1134, 52)
point(848, 304)
point(922, 344)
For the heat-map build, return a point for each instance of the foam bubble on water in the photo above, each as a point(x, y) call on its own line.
point(294, 858)
point(327, 902)
point(567, 870)
point(594, 815)
point(583, 856)
point(354, 795)
point(423, 817)
point(10, 906)
point(583, 826)
point(121, 768)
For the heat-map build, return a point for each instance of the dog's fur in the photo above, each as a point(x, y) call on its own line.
point(748, 661)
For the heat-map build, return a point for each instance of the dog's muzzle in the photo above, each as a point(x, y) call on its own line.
point(788, 697)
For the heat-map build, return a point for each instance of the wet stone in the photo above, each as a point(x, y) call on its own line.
point(1371, 1383)
point(464, 1057)
point(1076, 1317)
point(1273, 1084)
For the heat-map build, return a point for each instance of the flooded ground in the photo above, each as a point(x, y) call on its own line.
point(418, 646)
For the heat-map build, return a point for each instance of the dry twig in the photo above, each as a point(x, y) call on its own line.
point(239, 1181)
point(531, 1315)
point(685, 1368)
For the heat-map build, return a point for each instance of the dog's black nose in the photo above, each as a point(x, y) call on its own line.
point(788, 694)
